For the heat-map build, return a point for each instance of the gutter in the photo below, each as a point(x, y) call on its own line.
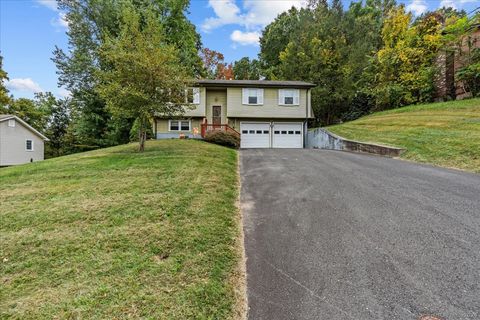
point(259, 85)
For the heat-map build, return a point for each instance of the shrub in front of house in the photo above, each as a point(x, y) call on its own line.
point(223, 138)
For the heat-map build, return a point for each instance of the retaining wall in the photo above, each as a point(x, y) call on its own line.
point(323, 139)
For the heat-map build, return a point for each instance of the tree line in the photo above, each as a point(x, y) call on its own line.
point(127, 61)
point(372, 56)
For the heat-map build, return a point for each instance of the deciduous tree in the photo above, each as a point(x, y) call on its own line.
point(406, 63)
point(145, 76)
point(59, 122)
point(4, 98)
point(88, 20)
point(211, 60)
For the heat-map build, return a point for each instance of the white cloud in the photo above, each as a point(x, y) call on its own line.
point(448, 4)
point(260, 13)
point(226, 12)
point(64, 93)
point(254, 15)
point(23, 84)
point(245, 38)
point(456, 4)
point(417, 7)
point(60, 22)
point(51, 4)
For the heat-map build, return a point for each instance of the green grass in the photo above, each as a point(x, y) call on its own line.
point(444, 134)
point(114, 234)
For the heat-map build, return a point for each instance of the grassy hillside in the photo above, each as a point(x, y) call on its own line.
point(444, 134)
point(114, 234)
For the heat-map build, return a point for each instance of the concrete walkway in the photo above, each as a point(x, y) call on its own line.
point(335, 235)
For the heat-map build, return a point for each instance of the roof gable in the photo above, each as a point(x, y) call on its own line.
point(5, 117)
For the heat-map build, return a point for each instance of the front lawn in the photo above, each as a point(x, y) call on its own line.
point(444, 134)
point(114, 234)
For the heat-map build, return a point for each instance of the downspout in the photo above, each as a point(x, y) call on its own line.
point(305, 126)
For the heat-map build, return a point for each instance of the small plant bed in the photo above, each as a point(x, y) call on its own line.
point(117, 234)
point(444, 134)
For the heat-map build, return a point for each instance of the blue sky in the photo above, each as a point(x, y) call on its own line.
point(30, 29)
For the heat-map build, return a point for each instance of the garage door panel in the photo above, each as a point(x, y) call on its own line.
point(282, 135)
point(255, 135)
point(287, 135)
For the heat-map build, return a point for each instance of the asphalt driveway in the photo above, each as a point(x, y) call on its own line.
point(335, 235)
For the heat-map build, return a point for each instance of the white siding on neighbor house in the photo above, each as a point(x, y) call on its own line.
point(13, 144)
point(270, 107)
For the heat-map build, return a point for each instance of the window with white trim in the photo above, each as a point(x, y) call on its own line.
point(288, 97)
point(192, 95)
point(252, 96)
point(29, 145)
point(179, 125)
point(11, 123)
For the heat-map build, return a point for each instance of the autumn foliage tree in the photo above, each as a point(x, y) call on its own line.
point(215, 66)
point(405, 64)
point(225, 72)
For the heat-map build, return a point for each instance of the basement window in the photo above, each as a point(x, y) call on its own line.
point(179, 125)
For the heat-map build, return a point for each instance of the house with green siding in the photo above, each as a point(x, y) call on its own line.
point(266, 114)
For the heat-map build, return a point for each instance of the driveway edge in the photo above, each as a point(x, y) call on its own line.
point(239, 278)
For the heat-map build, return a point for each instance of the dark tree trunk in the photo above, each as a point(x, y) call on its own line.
point(142, 136)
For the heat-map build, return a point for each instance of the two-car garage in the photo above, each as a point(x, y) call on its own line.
point(271, 134)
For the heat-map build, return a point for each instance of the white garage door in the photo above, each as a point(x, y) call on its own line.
point(287, 135)
point(255, 135)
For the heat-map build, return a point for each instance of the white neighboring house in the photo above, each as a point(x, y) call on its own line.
point(19, 142)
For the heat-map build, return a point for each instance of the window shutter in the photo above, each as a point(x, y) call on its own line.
point(196, 95)
point(296, 98)
point(244, 96)
point(260, 96)
point(281, 96)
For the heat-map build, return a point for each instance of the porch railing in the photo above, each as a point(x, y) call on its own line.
point(207, 127)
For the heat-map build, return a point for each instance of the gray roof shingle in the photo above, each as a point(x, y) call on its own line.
point(254, 83)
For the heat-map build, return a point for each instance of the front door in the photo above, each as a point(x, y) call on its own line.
point(217, 115)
